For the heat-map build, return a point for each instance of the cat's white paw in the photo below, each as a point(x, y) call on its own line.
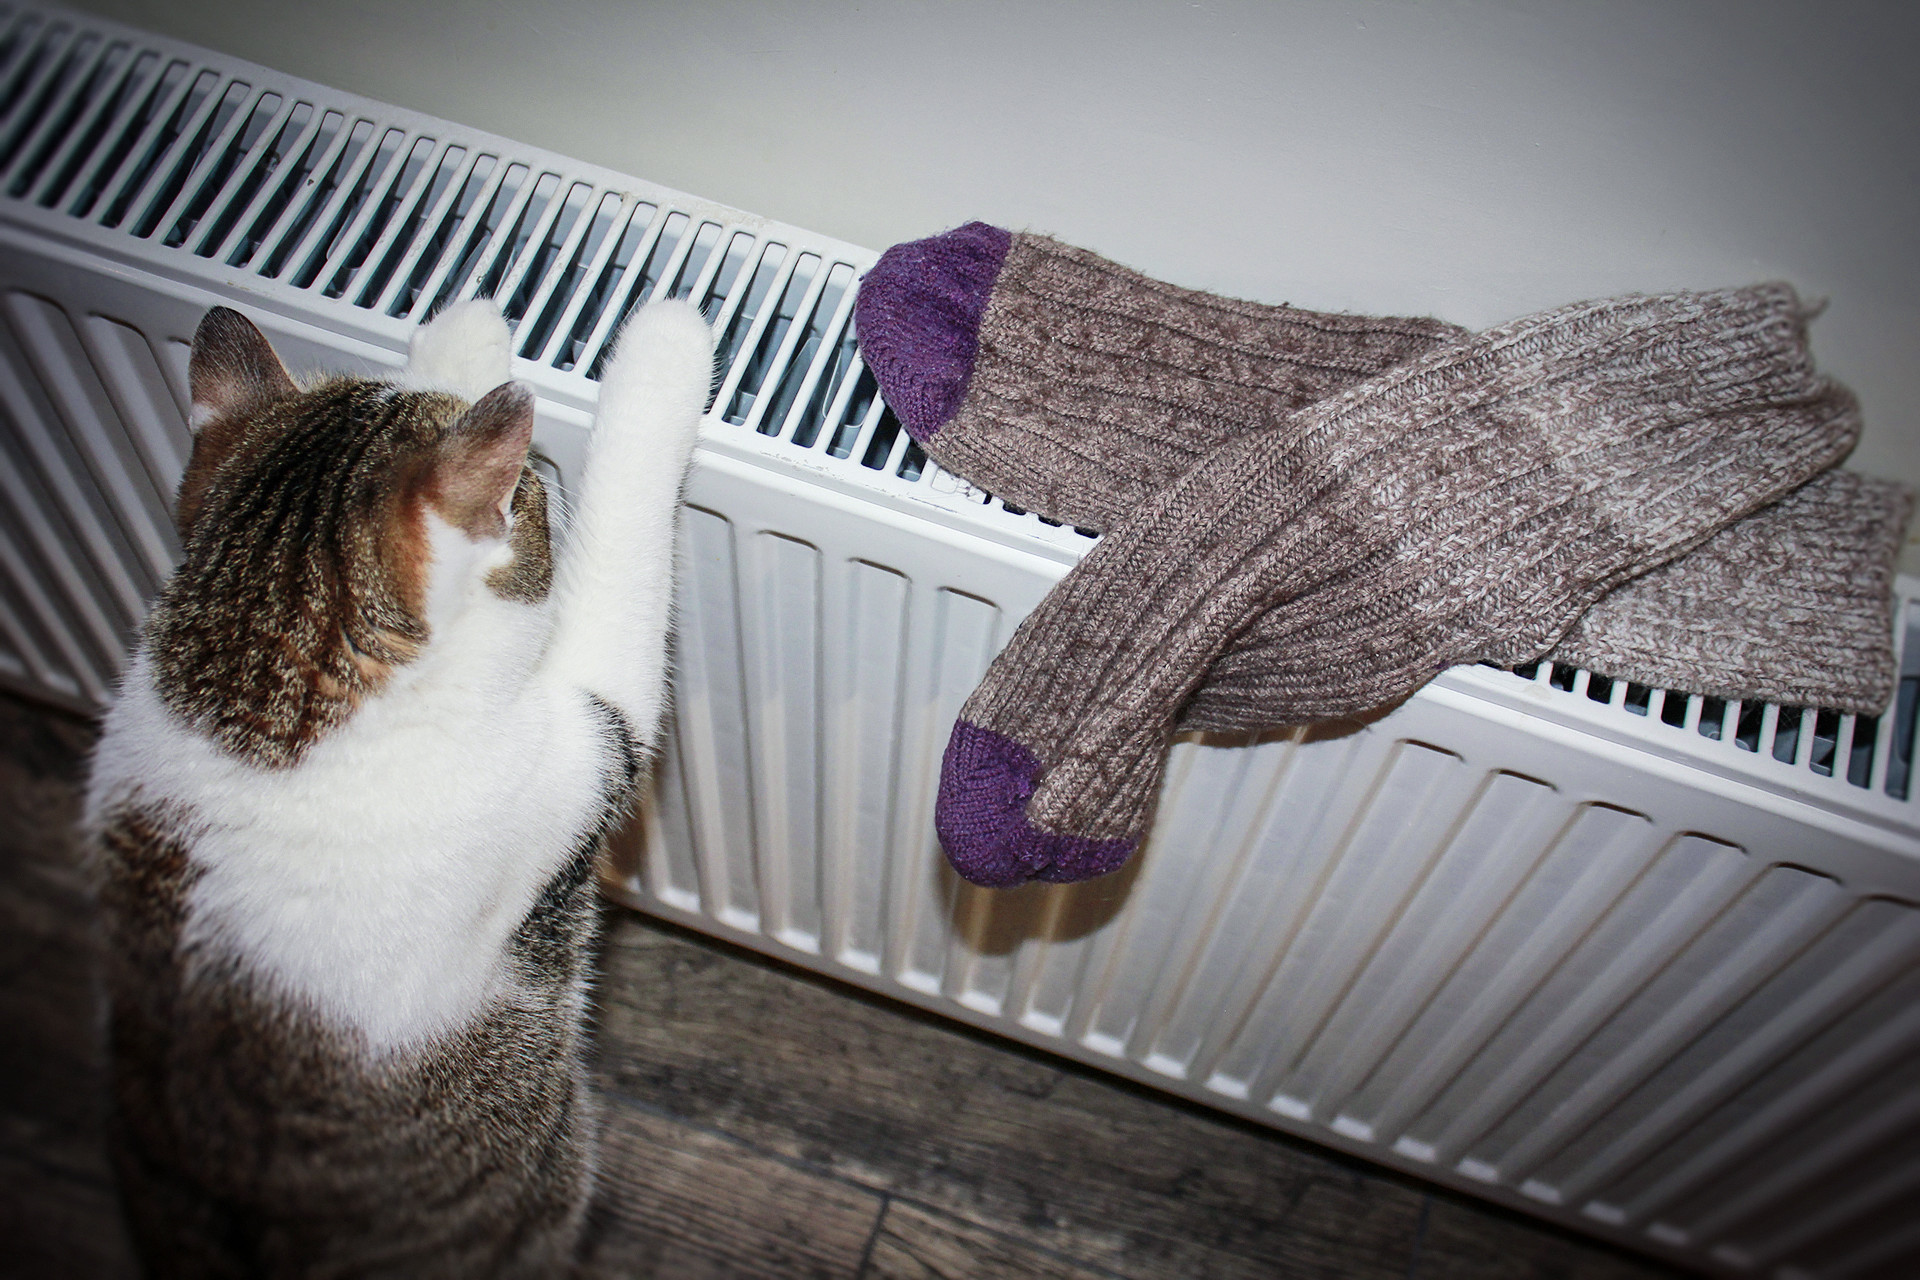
point(466, 349)
point(662, 365)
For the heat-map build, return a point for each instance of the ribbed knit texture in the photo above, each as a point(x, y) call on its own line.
point(1468, 504)
point(1079, 389)
point(1088, 388)
point(1793, 600)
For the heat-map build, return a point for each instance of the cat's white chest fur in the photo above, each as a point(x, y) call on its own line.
point(381, 877)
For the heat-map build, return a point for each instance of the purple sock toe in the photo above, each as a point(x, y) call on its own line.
point(985, 780)
point(918, 317)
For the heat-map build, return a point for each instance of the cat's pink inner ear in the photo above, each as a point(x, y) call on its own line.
point(233, 371)
point(481, 459)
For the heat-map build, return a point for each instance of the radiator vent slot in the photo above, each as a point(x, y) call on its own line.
point(354, 207)
point(1864, 751)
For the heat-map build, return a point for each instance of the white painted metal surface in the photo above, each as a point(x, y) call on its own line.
point(1643, 964)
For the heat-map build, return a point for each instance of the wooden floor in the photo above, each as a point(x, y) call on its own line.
point(760, 1122)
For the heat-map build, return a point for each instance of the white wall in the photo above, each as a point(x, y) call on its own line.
point(1475, 159)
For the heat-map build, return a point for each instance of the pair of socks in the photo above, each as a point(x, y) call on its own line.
point(1307, 516)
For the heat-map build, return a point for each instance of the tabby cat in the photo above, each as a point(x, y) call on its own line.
point(346, 804)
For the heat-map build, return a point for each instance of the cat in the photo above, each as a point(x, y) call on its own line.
point(345, 807)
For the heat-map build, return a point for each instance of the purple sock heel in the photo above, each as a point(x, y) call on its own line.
point(985, 780)
point(918, 318)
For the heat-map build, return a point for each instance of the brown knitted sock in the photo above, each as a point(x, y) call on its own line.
point(1467, 505)
point(1078, 389)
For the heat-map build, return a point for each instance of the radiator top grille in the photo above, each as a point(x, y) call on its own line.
point(279, 183)
point(292, 187)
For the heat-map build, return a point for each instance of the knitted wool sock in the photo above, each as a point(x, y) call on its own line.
point(1078, 389)
point(1469, 504)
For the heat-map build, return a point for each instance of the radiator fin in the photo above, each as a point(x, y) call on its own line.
point(869, 612)
point(783, 681)
point(710, 722)
point(963, 635)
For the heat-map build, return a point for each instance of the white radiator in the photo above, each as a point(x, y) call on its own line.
point(1642, 964)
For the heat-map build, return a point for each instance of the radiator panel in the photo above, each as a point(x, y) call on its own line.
point(1642, 964)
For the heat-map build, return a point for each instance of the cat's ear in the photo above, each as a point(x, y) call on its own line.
point(234, 372)
point(232, 375)
point(481, 458)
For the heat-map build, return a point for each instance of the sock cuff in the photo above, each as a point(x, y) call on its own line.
point(1787, 606)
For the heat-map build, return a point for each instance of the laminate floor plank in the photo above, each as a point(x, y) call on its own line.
point(55, 1226)
point(1062, 1158)
point(59, 1214)
point(1465, 1242)
point(913, 1244)
point(679, 1204)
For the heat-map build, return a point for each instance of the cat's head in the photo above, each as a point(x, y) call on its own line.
point(315, 524)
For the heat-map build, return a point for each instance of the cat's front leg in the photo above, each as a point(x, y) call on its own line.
point(615, 595)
